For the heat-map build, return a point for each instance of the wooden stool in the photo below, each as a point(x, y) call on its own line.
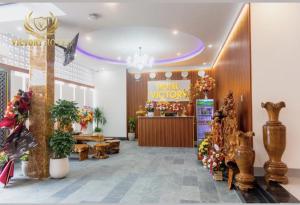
point(114, 146)
point(108, 138)
point(101, 150)
point(83, 150)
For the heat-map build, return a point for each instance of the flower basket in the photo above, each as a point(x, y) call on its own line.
point(218, 175)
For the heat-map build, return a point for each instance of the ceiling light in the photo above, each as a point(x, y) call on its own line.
point(178, 53)
point(88, 38)
point(140, 60)
point(19, 28)
point(209, 45)
point(175, 32)
point(94, 16)
point(111, 4)
point(119, 58)
point(102, 69)
point(204, 63)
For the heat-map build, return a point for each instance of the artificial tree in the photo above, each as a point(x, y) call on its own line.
point(99, 118)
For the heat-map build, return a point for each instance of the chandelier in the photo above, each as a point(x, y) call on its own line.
point(140, 60)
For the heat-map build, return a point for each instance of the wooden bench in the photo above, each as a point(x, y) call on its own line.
point(114, 146)
point(83, 150)
point(101, 150)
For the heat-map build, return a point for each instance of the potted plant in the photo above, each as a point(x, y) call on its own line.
point(150, 108)
point(24, 163)
point(99, 118)
point(61, 144)
point(64, 113)
point(132, 126)
point(86, 117)
point(162, 107)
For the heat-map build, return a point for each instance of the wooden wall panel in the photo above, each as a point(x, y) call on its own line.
point(232, 69)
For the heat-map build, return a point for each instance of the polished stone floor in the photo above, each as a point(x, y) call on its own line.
point(136, 175)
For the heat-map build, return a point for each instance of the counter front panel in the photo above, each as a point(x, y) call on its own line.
point(166, 131)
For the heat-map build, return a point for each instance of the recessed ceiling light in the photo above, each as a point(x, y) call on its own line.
point(112, 4)
point(88, 38)
point(119, 58)
point(175, 32)
point(19, 28)
point(204, 63)
point(102, 69)
point(209, 45)
point(178, 53)
point(94, 16)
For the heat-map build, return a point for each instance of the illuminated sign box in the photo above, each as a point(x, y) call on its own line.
point(169, 90)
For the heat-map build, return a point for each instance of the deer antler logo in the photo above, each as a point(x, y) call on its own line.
point(41, 26)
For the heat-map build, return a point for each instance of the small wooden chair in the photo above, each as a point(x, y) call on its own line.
point(114, 146)
point(82, 150)
point(101, 150)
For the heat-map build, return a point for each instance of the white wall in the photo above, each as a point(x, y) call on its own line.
point(275, 40)
point(18, 81)
point(110, 94)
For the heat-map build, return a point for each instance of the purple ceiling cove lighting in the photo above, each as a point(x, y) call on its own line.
point(183, 57)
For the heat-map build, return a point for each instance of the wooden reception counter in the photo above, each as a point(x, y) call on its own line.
point(166, 131)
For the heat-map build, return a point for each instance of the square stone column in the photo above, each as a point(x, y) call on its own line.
point(42, 84)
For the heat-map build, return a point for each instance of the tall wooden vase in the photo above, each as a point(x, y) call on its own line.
point(274, 134)
point(244, 158)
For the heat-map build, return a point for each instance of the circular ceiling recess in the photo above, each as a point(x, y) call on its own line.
point(114, 45)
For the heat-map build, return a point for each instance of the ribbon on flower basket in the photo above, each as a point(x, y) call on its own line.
point(7, 172)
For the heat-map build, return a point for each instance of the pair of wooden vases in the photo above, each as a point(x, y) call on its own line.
point(274, 137)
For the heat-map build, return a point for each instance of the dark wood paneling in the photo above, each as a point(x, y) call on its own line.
point(232, 70)
point(166, 131)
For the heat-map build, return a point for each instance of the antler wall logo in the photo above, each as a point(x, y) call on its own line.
point(41, 26)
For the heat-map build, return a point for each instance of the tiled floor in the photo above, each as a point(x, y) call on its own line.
point(136, 175)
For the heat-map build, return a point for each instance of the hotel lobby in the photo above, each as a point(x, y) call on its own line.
point(142, 102)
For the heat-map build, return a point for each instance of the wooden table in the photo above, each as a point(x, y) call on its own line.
point(166, 131)
point(89, 137)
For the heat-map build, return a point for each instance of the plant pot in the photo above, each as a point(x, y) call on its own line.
point(218, 176)
point(150, 114)
point(59, 168)
point(131, 136)
point(24, 167)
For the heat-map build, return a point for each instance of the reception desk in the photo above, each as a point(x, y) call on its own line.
point(166, 131)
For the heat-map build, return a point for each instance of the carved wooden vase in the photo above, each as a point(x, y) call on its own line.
point(244, 158)
point(190, 109)
point(274, 134)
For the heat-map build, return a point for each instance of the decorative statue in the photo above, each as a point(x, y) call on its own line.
point(274, 134)
point(244, 157)
point(141, 111)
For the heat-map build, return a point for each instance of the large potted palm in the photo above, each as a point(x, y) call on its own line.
point(63, 113)
point(99, 119)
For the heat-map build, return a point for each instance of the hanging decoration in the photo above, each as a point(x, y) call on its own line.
point(20, 139)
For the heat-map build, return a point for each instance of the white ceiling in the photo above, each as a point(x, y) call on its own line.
point(122, 27)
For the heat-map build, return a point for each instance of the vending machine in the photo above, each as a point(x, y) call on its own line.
point(204, 115)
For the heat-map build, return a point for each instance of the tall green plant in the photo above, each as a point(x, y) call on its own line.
point(132, 124)
point(64, 112)
point(61, 143)
point(99, 118)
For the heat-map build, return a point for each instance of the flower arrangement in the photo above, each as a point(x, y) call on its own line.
point(203, 149)
point(17, 110)
point(176, 107)
point(85, 116)
point(216, 162)
point(150, 106)
point(204, 85)
point(162, 107)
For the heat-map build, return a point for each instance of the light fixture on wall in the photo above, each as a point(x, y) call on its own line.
point(152, 75)
point(137, 76)
point(201, 73)
point(184, 74)
point(140, 60)
point(168, 75)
